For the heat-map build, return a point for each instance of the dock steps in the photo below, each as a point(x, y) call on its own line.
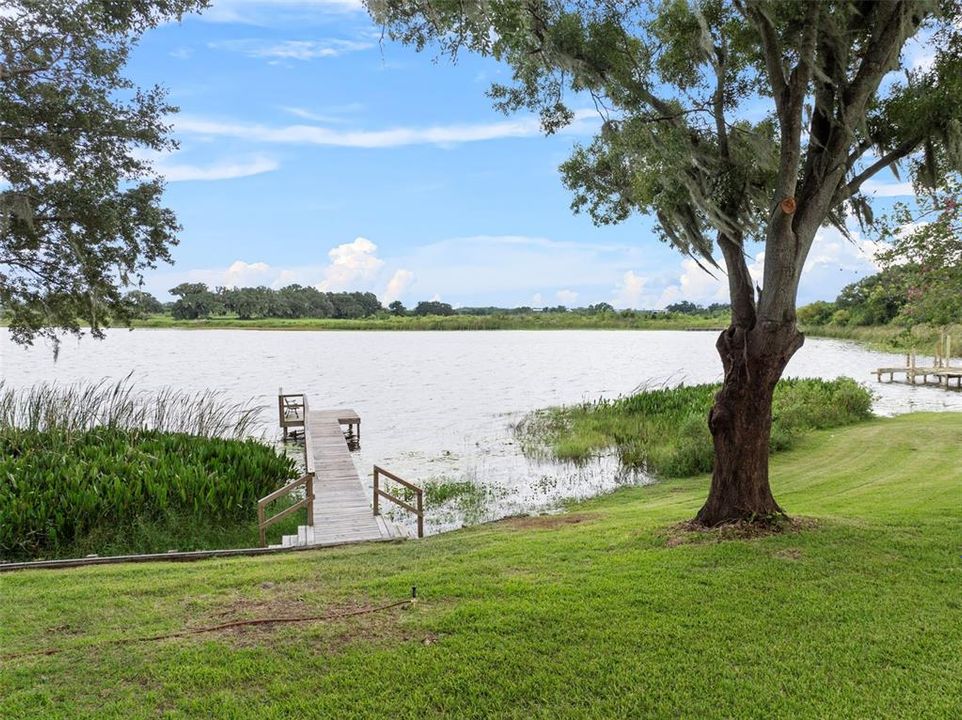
point(342, 509)
point(305, 536)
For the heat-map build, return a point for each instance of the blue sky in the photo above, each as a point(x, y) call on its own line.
point(313, 153)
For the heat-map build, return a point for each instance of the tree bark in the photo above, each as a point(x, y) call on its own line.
point(741, 421)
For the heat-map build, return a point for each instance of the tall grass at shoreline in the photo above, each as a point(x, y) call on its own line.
point(665, 432)
point(891, 338)
point(104, 467)
point(85, 405)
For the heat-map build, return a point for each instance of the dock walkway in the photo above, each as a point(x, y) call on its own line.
point(342, 511)
point(940, 370)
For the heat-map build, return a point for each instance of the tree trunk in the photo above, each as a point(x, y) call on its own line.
point(741, 421)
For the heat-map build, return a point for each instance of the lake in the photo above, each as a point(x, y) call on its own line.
point(441, 405)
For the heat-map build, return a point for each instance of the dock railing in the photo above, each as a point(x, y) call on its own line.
point(291, 410)
point(417, 509)
point(263, 522)
point(306, 480)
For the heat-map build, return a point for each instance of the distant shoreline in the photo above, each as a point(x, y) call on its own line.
point(889, 338)
point(442, 323)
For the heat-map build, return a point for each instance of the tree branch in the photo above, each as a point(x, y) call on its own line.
point(740, 289)
point(771, 48)
point(848, 190)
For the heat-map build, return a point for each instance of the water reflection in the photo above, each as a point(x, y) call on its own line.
point(439, 406)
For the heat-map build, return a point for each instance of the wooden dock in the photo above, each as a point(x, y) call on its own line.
point(940, 369)
point(339, 509)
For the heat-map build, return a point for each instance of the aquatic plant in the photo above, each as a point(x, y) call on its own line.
point(85, 405)
point(664, 431)
point(56, 487)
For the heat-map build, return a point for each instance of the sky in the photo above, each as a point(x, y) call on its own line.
point(314, 152)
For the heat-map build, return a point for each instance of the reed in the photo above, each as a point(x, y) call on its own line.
point(86, 405)
point(664, 431)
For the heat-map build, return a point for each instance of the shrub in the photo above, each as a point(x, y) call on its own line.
point(57, 486)
point(841, 317)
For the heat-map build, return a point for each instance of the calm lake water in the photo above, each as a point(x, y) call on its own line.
point(441, 405)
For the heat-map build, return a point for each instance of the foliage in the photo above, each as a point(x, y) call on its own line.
point(603, 613)
point(876, 299)
point(902, 294)
point(578, 318)
point(433, 307)
point(893, 337)
point(80, 208)
point(675, 84)
point(87, 405)
point(60, 486)
point(663, 431)
point(926, 249)
point(686, 307)
point(196, 300)
point(728, 121)
point(142, 304)
point(817, 313)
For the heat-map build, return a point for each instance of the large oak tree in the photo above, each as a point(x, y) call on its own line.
point(729, 121)
point(81, 214)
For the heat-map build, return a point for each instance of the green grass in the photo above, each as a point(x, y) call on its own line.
point(532, 321)
point(860, 617)
point(889, 338)
point(180, 531)
point(665, 431)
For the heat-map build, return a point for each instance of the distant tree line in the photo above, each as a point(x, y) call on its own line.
point(196, 301)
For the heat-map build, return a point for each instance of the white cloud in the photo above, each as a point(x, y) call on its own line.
point(392, 137)
point(330, 115)
point(242, 274)
point(833, 262)
point(271, 12)
point(695, 285)
point(292, 49)
point(886, 189)
point(631, 289)
point(398, 284)
point(175, 172)
point(483, 270)
point(352, 264)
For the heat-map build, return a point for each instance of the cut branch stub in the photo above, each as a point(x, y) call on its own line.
point(787, 205)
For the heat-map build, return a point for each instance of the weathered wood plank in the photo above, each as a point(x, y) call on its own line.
point(341, 506)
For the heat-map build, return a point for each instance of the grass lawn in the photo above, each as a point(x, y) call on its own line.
point(604, 613)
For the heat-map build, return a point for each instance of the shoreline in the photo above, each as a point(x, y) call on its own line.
point(884, 338)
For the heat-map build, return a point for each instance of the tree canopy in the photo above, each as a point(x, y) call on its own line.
point(716, 114)
point(926, 252)
point(80, 208)
point(727, 121)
